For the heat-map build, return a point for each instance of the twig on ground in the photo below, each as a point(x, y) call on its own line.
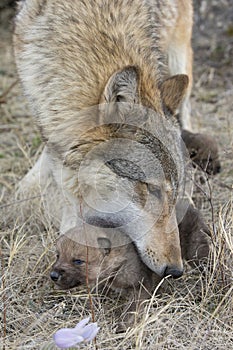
point(20, 201)
point(5, 93)
point(211, 204)
point(221, 184)
point(87, 279)
point(3, 298)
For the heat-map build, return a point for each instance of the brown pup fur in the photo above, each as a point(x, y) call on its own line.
point(194, 238)
point(203, 151)
point(109, 268)
point(120, 267)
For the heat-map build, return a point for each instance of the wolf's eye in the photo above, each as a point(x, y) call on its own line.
point(78, 261)
point(155, 190)
point(57, 256)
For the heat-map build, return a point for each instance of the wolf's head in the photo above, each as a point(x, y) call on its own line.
point(128, 171)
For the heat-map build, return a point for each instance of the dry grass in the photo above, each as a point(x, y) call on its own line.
point(194, 312)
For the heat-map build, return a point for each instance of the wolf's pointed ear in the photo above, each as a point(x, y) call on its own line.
point(173, 91)
point(122, 86)
point(104, 245)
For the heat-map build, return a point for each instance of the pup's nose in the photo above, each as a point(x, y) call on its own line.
point(55, 275)
point(173, 271)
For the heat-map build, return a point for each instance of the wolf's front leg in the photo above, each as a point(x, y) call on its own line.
point(180, 61)
point(180, 57)
point(37, 177)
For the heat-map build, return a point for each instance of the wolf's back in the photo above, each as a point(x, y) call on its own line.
point(66, 51)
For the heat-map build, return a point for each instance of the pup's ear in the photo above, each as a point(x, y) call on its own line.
point(173, 90)
point(122, 86)
point(104, 245)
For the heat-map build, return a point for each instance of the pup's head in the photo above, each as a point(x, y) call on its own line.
point(203, 151)
point(75, 261)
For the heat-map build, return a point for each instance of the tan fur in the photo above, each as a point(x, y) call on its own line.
point(170, 89)
point(134, 58)
point(97, 49)
point(177, 43)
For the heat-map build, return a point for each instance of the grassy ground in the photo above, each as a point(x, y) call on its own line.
point(194, 312)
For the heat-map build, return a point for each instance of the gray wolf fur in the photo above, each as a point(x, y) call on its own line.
point(130, 63)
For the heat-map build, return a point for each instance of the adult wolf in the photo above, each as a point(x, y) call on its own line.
point(99, 79)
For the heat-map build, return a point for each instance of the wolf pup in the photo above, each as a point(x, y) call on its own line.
point(104, 81)
point(108, 267)
point(112, 266)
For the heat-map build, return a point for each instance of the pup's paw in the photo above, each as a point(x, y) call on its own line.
point(203, 150)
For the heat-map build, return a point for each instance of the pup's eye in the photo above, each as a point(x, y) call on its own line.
point(155, 190)
point(57, 256)
point(78, 261)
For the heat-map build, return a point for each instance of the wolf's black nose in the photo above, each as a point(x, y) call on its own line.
point(54, 275)
point(173, 271)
